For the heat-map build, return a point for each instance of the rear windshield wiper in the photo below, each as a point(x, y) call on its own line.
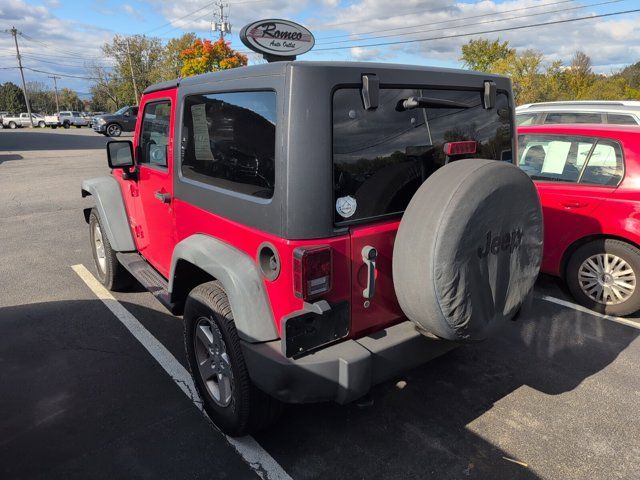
point(428, 102)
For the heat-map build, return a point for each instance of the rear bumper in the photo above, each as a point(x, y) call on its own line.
point(342, 372)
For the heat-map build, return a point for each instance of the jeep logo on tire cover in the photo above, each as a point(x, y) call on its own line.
point(501, 242)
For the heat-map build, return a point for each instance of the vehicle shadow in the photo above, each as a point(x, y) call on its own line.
point(426, 426)
point(47, 139)
point(68, 373)
point(8, 157)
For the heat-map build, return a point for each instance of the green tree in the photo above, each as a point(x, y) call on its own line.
point(632, 75)
point(69, 100)
point(483, 54)
point(580, 77)
point(12, 98)
point(136, 54)
point(42, 98)
point(171, 63)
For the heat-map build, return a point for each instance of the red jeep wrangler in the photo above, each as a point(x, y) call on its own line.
point(321, 227)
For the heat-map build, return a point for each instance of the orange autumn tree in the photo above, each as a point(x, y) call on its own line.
point(207, 56)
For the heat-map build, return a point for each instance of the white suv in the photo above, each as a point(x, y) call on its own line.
point(615, 112)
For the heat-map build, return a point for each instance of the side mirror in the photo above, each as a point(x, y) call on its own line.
point(127, 113)
point(120, 154)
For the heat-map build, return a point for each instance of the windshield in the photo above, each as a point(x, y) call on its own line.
point(121, 111)
point(382, 156)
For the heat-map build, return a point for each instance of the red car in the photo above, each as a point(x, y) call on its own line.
point(588, 178)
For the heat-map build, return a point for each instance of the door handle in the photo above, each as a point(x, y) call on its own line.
point(574, 204)
point(369, 255)
point(163, 197)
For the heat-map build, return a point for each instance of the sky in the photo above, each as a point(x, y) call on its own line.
point(63, 36)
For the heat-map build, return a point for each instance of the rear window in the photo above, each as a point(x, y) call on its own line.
point(382, 156)
point(621, 119)
point(574, 159)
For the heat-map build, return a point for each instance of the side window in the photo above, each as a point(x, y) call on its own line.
point(228, 141)
point(621, 119)
point(554, 157)
point(154, 134)
point(573, 118)
point(526, 119)
point(605, 165)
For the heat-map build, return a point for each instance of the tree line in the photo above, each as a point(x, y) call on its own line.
point(139, 61)
point(136, 62)
point(535, 80)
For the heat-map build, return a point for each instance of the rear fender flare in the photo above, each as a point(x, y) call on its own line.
point(113, 215)
point(240, 277)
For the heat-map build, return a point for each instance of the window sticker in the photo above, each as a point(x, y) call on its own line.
point(201, 138)
point(346, 206)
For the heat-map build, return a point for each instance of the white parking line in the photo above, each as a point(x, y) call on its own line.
point(257, 457)
point(580, 308)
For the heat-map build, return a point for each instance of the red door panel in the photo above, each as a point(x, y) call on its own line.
point(383, 309)
point(568, 216)
point(155, 230)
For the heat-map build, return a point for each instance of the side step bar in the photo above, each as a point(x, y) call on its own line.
point(148, 277)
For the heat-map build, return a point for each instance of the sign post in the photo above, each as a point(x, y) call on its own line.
point(277, 40)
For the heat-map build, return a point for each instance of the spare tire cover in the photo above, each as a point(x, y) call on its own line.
point(468, 249)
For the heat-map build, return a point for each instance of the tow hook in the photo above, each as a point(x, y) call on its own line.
point(369, 255)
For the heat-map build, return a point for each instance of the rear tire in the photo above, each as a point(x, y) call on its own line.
point(599, 269)
point(211, 340)
point(110, 272)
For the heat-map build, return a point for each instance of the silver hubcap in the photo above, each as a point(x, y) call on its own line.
point(607, 279)
point(113, 130)
point(214, 363)
point(99, 247)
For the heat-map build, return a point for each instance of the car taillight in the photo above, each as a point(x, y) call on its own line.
point(311, 271)
point(460, 148)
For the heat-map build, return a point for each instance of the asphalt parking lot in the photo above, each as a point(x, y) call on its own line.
point(555, 396)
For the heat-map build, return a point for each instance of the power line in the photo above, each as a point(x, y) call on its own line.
point(61, 74)
point(442, 21)
point(496, 30)
point(579, 7)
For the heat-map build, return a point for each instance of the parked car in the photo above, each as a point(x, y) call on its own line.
point(2, 114)
point(320, 226)
point(113, 124)
point(588, 178)
point(600, 111)
point(22, 120)
point(66, 119)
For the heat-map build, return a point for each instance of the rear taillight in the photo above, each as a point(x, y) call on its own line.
point(311, 271)
point(460, 148)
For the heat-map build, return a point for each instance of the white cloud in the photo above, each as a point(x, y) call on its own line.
point(49, 44)
point(608, 41)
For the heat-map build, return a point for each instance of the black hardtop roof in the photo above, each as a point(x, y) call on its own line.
point(279, 68)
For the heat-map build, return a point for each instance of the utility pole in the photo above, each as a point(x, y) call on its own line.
point(221, 20)
point(55, 86)
point(133, 78)
point(15, 33)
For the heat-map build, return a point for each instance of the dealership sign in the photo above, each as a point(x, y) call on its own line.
point(277, 39)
